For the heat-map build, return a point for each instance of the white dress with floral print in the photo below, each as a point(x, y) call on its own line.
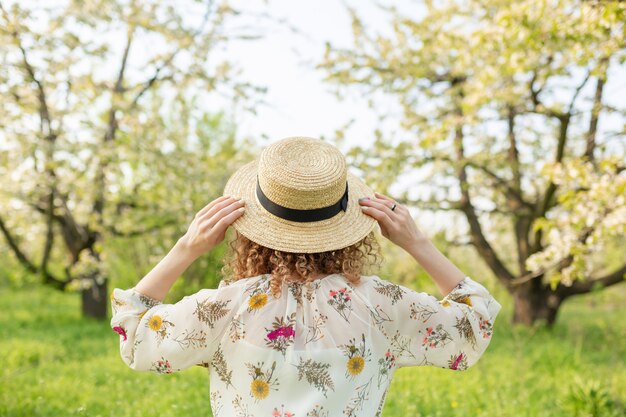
point(328, 348)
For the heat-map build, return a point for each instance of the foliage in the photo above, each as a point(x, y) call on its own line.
point(503, 108)
point(105, 131)
point(592, 211)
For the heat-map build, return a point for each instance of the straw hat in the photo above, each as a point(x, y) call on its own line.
point(299, 197)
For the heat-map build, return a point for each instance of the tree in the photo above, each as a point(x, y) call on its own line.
point(507, 100)
point(102, 128)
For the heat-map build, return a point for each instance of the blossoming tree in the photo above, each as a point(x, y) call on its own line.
point(506, 102)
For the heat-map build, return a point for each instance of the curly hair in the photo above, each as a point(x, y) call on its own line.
point(246, 258)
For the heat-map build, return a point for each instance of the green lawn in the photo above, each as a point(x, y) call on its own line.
point(53, 363)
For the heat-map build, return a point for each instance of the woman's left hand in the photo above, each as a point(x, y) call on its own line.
point(209, 225)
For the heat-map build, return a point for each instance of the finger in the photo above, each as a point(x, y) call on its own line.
point(210, 222)
point(379, 205)
point(399, 206)
point(382, 217)
point(384, 197)
point(211, 204)
point(219, 206)
point(227, 220)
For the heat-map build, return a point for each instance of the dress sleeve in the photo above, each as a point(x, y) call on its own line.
point(166, 338)
point(422, 330)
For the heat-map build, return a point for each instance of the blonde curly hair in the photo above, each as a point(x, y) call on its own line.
point(246, 258)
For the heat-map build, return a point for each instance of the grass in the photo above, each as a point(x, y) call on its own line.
point(55, 363)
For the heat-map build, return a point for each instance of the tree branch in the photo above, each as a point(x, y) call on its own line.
point(582, 287)
point(23, 259)
point(595, 112)
point(44, 112)
point(478, 238)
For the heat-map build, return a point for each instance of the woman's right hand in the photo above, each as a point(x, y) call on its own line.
point(397, 225)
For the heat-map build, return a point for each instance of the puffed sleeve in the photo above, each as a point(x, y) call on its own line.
point(166, 338)
point(422, 330)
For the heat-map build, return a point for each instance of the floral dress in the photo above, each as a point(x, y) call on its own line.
point(326, 348)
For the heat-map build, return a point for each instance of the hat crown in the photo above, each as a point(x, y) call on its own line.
point(302, 173)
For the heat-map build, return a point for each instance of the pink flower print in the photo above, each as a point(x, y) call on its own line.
point(456, 362)
point(429, 330)
point(347, 297)
point(332, 293)
point(342, 290)
point(121, 331)
point(281, 331)
point(276, 413)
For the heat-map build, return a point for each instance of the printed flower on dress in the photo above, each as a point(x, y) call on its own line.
point(121, 331)
point(282, 412)
point(161, 366)
point(315, 330)
point(458, 362)
point(221, 367)
point(486, 328)
point(360, 398)
point(422, 312)
point(282, 333)
point(317, 411)
point(386, 364)
point(262, 380)
point(340, 300)
point(464, 326)
point(316, 373)
point(257, 301)
point(209, 311)
point(389, 289)
point(458, 295)
point(160, 326)
point(436, 337)
point(357, 356)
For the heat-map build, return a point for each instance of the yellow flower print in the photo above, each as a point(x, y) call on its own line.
point(155, 322)
point(260, 389)
point(357, 354)
point(355, 365)
point(142, 314)
point(466, 300)
point(445, 303)
point(257, 301)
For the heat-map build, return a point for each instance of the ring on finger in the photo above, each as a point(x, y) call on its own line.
point(393, 207)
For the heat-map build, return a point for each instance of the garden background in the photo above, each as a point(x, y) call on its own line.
point(502, 125)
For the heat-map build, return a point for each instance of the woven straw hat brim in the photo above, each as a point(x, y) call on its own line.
point(264, 228)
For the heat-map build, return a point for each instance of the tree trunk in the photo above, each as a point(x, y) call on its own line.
point(95, 300)
point(533, 302)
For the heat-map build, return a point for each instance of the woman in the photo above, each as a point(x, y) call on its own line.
point(297, 329)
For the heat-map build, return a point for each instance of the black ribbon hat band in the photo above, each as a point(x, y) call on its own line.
point(298, 215)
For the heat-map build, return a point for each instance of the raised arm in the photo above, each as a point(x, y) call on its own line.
point(399, 227)
point(207, 229)
point(166, 338)
point(452, 332)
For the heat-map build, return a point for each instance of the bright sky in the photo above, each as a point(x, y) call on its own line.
point(299, 102)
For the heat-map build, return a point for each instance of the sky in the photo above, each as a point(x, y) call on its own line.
point(299, 101)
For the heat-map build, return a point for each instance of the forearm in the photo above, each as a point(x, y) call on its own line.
point(159, 280)
point(445, 274)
